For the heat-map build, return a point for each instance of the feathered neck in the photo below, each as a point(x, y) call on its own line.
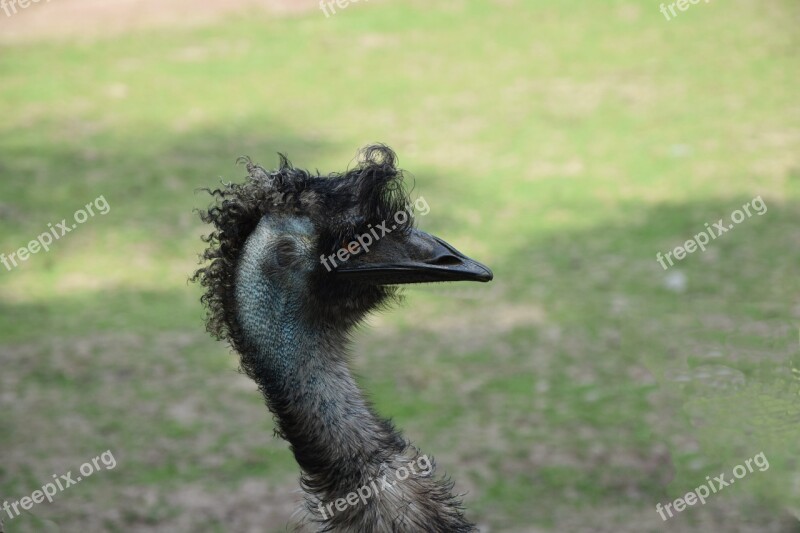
point(339, 442)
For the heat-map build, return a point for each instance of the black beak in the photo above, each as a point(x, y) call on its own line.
point(416, 257)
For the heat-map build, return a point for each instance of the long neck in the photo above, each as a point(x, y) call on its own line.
point(303, 374)
point(341, 445)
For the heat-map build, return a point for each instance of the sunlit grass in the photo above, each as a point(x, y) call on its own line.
point(563, 144)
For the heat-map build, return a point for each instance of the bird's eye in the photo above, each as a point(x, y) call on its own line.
point(352, 247)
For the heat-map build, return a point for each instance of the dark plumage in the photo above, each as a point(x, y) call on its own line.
point(269, 295)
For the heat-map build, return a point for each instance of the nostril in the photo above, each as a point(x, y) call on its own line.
point(445, 260)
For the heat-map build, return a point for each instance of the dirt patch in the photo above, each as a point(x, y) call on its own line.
point(99, 18)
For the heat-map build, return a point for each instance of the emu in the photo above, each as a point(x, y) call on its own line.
point(289, 318)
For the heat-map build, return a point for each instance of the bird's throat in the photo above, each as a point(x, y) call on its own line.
point(303, 373)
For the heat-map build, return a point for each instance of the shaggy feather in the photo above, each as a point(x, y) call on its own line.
point(268, 295)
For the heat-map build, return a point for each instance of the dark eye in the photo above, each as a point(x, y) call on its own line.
point(352, 247)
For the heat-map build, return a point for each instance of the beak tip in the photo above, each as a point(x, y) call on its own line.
point(486, 276)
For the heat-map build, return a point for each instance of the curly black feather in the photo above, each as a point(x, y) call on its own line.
point(342, 205)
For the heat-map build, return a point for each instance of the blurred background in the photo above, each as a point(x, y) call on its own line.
point(564, 144)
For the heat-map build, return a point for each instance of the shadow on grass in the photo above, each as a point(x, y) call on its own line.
point(584, 383)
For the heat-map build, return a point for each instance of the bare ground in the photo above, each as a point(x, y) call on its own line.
point(66, 392)
point(98, 18)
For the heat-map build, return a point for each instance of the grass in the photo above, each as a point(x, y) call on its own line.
point(563, 144)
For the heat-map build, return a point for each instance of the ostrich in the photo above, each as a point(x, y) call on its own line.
point(278, 293)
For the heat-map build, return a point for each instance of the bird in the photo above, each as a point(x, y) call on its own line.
point(294, 262)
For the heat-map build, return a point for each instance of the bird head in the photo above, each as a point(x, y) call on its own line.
point(340, 244)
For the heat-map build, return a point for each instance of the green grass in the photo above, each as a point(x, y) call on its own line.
point(563, 144)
